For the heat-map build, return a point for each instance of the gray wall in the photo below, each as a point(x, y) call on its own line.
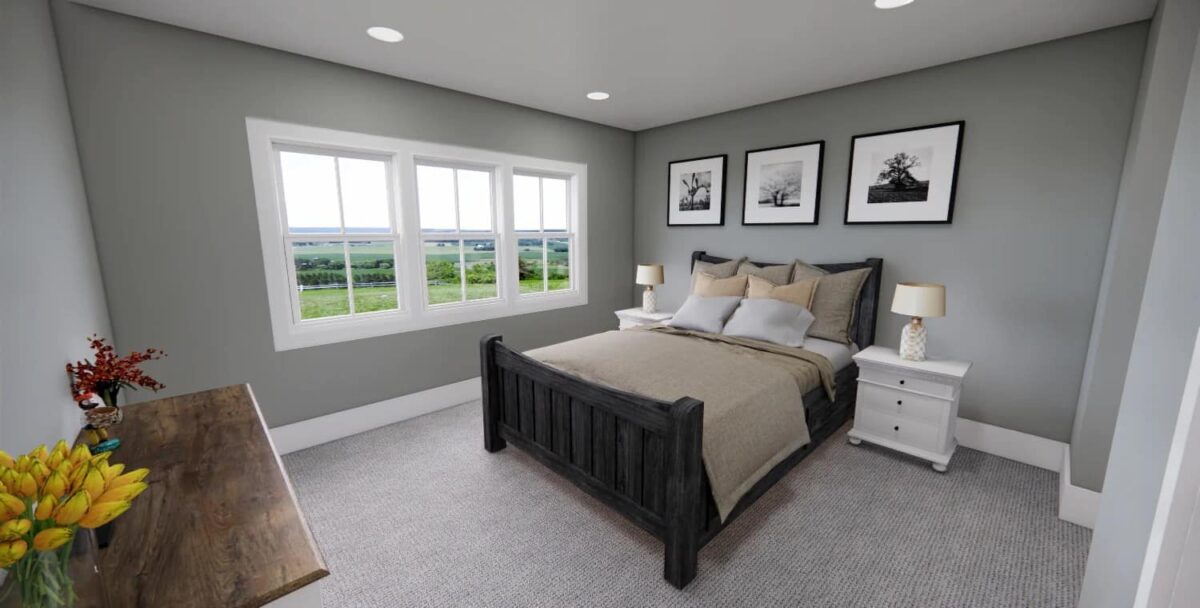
point(159, 115)
point(1158, 364)
point(53, 298)
point(1046, 129)
point(1143, 180)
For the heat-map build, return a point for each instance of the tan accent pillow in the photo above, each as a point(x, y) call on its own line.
point(834, 303)
point(779, 275)
point(720, 271)
point(804, 271)
point(799, 293)
point(708, 286)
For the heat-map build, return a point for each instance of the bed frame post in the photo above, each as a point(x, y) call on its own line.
point(684, 499)
point(490, 377)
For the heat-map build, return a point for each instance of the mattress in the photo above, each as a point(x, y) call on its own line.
point(838, 354)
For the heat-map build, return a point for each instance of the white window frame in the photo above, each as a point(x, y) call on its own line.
point(265, 137)
point(547, 235)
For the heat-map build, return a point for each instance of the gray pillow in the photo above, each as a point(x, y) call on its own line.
point(834, 303)
point(780, 274)
point(724, 270)
point(770, 320)
point(704, 314)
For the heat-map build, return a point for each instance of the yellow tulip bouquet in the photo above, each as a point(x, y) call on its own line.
point(45, 497)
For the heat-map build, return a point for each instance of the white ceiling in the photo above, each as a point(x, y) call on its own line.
point(662, 60)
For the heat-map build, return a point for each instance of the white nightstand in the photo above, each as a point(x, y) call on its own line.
point(908, 406)
point(636, 317)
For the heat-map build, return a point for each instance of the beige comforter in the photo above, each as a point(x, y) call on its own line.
point(752, 392)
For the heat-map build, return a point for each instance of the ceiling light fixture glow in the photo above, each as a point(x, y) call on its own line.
point(597, 96)
point(384, 34)
point(886, 4)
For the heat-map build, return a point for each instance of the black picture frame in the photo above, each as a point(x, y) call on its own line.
point(721, 210)
point(820, 143)
point(962, 127)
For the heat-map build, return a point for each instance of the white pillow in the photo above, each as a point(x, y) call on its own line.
point(770, 320)
point(704, 314)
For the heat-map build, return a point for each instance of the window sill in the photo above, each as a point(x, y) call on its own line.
point(333, 330)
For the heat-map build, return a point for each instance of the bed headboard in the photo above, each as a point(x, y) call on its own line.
point(862, 331)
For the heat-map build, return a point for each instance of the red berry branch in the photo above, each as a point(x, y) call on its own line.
point(110, 373)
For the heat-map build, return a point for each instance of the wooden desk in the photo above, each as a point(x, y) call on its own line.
point(219, 525)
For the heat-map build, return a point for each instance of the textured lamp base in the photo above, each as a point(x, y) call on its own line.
point(912, 341)
point(649, 300)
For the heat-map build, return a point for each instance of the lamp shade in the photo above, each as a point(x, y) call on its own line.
point(920, 299)
point(649, 274)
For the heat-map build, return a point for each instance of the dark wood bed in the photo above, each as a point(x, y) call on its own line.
point(642, 456)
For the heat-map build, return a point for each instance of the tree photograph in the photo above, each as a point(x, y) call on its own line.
point(780, 184)
point(903, 177)
point(695, 193)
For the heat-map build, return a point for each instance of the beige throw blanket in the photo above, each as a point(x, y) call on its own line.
point(752, 392)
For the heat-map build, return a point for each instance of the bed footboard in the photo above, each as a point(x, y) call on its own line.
point(640, 456)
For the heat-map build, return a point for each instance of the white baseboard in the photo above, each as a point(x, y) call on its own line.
point(323, 429)
point(1013, 445)
point(1075, 504)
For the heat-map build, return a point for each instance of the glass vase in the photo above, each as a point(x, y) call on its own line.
point(55, 579)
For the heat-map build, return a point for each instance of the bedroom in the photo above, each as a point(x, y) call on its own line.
point(277, 198)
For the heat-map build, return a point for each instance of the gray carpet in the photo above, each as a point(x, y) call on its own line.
point(417, 514)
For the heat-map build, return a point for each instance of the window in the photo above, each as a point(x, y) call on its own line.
point(365, 236)
point(340, 234)
point(542, 226)
point(458, 242)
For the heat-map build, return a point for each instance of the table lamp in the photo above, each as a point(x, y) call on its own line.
point(919, 301)
point(649, 275)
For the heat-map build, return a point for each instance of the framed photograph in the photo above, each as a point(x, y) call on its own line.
point(906, 176)
point(783, 184)
point(696, 192)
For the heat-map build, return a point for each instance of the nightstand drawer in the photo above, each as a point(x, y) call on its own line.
point(902, 403)
point(907, 431)
point(887, 377)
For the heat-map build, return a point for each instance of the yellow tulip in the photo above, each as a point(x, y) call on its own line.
point(102, 513)
point(40, 452)
point(10, 506)
point(55, 459)
point(6, 460)
point(78, 474)
point(61, 447)
point(81, 453)
point(133, 476)
point(45, 508)
point(12, 551)
point(14, 529)
point(124, 493)
point(56, 485)
point(74, 508)
point(93, 483)
point(26, 485)
point(10, 478)
point(40, 471)
point(111, 471)
point(52, 538)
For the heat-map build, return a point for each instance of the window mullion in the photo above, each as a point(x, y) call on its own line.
point(462, 268)
point(349, 276)
point(337, 180)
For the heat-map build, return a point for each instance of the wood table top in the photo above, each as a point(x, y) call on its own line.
point(219, 524)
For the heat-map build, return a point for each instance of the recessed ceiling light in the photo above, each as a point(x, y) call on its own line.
point(597, 96)
point(384, 34)
point(886, 4)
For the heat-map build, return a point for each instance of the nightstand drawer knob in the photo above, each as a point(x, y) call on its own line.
point(899, 402)
point(897, 427)
point(901, 382)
